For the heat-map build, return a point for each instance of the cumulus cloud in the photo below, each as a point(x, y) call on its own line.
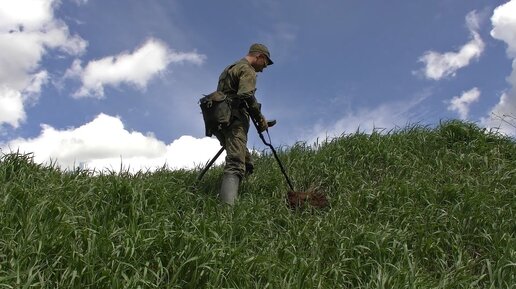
point(104, 143)
point(461, 104)
point(440, 65)
point(504, 26)
point(504, 29)
point(135, 68)
point(11, 106)
point(28, 31)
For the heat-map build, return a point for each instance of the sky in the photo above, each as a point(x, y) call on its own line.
point(108, 84)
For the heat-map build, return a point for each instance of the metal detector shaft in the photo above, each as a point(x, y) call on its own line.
point(274, 153)
point(208, 165)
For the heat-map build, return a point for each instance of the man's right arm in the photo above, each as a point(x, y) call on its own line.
point(246, 90)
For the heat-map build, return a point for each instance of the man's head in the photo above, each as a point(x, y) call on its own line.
point(260, 56)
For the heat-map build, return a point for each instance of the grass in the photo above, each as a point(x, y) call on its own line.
point(413, 208)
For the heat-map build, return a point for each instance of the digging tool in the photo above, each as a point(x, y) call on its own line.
point(295, 199)
point(271, 123)
point(209, 164)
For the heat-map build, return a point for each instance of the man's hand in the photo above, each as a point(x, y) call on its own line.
point(262, 124)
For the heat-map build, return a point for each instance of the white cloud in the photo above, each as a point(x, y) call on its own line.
point(104, 143)
point(440, 65)
point(504, 26)
point(460, 104)
point(28, 30)
point(386, 116)
point(504, 29)
point(135, 68)
point(30, 13)
point(11, 107)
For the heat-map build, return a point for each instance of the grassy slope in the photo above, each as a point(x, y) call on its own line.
point(417, 208)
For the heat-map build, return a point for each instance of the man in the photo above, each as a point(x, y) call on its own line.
point(238, 82)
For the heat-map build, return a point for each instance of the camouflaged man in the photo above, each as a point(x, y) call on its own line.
point(238, 82)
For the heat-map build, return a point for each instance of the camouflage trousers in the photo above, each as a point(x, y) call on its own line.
point(234, 139)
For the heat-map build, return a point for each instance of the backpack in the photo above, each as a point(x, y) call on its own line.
point(216, 111)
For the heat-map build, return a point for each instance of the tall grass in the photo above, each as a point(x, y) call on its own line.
point(413, 208)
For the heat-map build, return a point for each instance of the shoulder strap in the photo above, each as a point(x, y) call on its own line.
point(225, 72)
point(222, 79)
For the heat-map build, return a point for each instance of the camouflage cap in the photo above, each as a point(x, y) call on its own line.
point(257, 47)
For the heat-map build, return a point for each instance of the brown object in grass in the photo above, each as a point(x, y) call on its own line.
point(313, 198)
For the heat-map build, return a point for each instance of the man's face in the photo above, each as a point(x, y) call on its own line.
point(261, 63)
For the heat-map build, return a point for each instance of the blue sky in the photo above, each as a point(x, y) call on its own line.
point(97, 82)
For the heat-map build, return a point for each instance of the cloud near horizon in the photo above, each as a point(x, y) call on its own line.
point(136, 68)
point(441, 65)
point(28, 31)
point(385, 116)
point(104, 143)
point(461, 104)
point(504, 29)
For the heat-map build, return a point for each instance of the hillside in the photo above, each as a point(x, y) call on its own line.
point(415, 208)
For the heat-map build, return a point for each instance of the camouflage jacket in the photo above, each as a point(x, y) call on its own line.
point(238, 82)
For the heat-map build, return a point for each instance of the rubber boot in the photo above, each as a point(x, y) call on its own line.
point(229, 188)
